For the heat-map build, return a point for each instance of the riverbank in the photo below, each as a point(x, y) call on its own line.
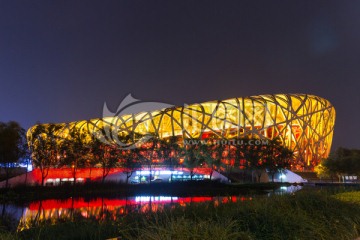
point(23, 194)
point(305, 215)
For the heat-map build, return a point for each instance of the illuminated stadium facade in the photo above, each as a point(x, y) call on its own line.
point(304, 123)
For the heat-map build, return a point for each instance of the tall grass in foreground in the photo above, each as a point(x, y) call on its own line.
point(306, 215)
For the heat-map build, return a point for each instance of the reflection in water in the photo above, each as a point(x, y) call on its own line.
point(288, 189)
point(54, 210)
point(10, 216)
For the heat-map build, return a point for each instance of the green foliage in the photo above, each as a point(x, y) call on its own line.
point(79, 149)
point(171, 151)
point(45, 148)
point(129, 160)
point(277, 157)
point(75, 150)
point(353, 197)
point(321, 171)
point(342, 162)
point(106, 155)
point(171, 227)
point(192, 158)
point(211, 154)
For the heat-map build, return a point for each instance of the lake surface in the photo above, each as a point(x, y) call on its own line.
point(54, 210)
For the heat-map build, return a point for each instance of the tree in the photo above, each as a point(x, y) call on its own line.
point(12, 146)
point(211, 154)
point(149, 152)
point(229, 159)
point(330, 166)
point(191, 157)
point(253, 154)
point(276, 157)
point(104, 152)
point(237, 155)
point(343, 162)
point(44, 148)
point(75, 150)
point(284, 158)
point(321, 171)
point(129, 160)
point(109, 160)
point(170, 153)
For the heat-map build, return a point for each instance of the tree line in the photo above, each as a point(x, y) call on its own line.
point(79, 149)
point(341, 162)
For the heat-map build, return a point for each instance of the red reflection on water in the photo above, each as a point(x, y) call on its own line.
point(105, 208)
point(111, 203)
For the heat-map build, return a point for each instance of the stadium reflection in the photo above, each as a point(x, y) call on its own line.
point(54, 210)
point(72, 209)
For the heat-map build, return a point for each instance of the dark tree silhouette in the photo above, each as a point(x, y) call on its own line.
point(12, 146)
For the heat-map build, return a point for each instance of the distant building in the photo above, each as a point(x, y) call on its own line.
point(304, 123)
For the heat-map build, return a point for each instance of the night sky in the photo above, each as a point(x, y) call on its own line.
point(61, 60)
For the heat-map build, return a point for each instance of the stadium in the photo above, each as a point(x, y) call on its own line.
point(303, 123)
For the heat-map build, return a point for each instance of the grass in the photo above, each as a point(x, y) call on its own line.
point(305, 215)
point(353, 197)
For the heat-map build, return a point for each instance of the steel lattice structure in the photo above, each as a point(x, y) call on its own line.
point(304, 123)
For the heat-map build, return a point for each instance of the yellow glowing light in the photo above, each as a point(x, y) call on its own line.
point(304, 123)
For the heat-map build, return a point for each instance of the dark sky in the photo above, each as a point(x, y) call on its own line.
point(61, 60)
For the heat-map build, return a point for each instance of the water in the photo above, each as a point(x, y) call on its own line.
point(54, 210)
